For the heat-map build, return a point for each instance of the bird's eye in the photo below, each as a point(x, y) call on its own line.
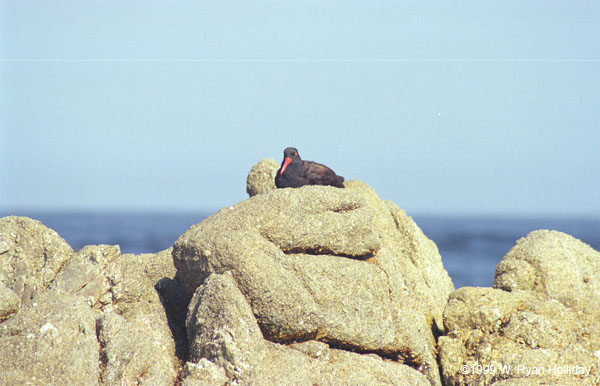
point(295, 153)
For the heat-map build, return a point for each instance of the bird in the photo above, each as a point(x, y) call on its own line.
point(294, 172)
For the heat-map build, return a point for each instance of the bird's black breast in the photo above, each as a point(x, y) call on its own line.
point(291, 177)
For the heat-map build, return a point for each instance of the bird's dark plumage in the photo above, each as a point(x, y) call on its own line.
point(294, 172)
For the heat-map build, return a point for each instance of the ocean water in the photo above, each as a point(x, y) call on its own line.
point(470, 247)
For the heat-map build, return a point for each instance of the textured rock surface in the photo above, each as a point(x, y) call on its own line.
point(30, 255)
point(222, 328)
point(84, 318)
point(549, 319)
point(261, 178)
point(135, 350)
point(203, 373)
point(224, 334)
point(136, 342)
point(85, 274)
point(316, 285)
point(431, 280)
point(318, 263)
point(9, 301)
point(133, 330)
point(554, 264)
point(51, 340)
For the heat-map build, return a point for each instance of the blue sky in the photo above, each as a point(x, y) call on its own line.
point(468, 107)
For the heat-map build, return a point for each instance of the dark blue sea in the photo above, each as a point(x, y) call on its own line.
point(471, 247)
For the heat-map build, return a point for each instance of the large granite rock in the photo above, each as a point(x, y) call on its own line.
point(227, 343)
point(30, 256)
point(133, 330)
point(539, 323)
point(316, 285)
point(337, 266)
point(553, 264)
point(85, 318)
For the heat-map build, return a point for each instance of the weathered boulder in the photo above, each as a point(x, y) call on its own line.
point(554, 264)
point(261, 178)
point(112, 295)
point(133, 331)
point(339, 266)
point(425, 262)
point(30, 255)
point(227, 344)
point(541, 320)
point(51, 340)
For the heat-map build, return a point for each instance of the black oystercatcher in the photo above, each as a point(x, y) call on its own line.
point(294, 172)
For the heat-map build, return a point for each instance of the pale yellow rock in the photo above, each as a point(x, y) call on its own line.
point(542, 314)
point(340, 266)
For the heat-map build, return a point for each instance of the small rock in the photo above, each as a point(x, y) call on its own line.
point(261, 178)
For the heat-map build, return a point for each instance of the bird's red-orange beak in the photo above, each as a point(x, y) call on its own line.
point(286, 162)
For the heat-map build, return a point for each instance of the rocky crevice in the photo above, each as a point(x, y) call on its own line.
point(325, 252)
point(101, 355)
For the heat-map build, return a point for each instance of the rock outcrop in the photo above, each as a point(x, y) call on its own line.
point(224, 331)
point(93, 317)
point(316, 285)
point(133, 330)
point(338, 267)
point(539, 322)
point(552, 264)
point(31, 255)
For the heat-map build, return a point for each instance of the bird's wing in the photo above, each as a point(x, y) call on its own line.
point(318, 174)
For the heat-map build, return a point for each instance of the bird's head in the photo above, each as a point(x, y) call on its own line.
point(289, 155)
